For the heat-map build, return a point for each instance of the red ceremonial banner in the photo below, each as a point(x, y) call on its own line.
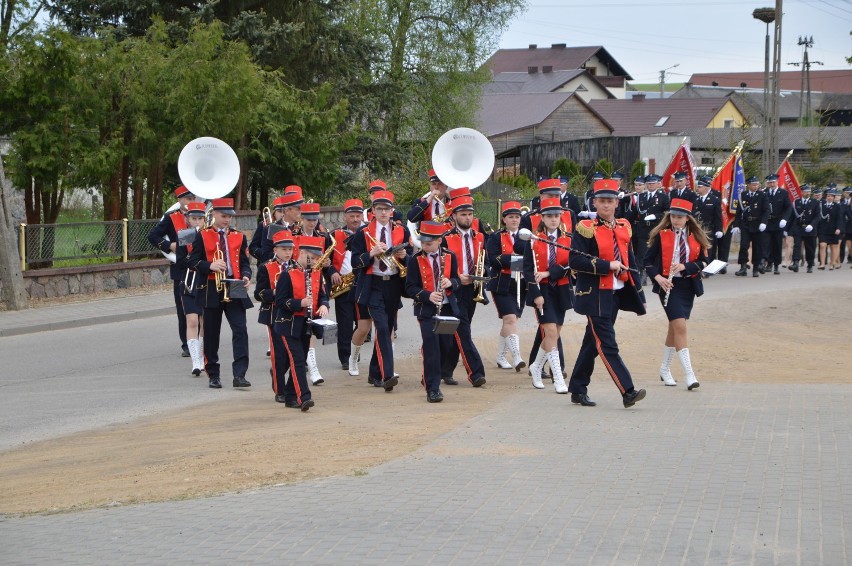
point(729, 181)
point(681, 162)
point(787, 180)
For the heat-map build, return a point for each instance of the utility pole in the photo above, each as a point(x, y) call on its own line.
point(767, 16)
point(776, 86)
point(807, 42)
point(663, 79)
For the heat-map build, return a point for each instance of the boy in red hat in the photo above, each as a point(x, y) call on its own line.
point(341, 259)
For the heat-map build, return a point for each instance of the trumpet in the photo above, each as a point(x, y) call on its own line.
point(388, 257)
point(221, 286)
point(267, 216)
point(344, 286)
point(479, 282)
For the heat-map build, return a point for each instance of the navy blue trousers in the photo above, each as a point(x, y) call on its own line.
point(430, 353)
point(235, 312)
point(461, 341)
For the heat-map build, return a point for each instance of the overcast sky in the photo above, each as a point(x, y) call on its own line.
point(645, 36)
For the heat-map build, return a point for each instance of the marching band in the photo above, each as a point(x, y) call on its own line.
point(550, 258)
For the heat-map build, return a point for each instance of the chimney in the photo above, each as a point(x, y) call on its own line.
point(638, 97)
point(558, 45)
point(533, 46)
point(532, 70)
point(547, 69)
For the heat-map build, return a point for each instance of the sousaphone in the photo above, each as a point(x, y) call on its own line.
point(209, 168)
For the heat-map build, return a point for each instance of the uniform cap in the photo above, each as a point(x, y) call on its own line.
point(182, 191)
point(606, 188)
point(680, 207)
point(378, 185)
point(772, 177)
point(433, 176)
point(550, 205)
point(279, 203)
point(353, 205)
point(549, 186)
point(310, 210)
point(291, 199)
point(224, 205)
point(312, 244)
point(459, 192)
point(617, 176)
point(679, 176)
point(196, 209)
point(511, 207)
point(382, 197)
point(283, 238)
point(430, 231)
point(462, 203)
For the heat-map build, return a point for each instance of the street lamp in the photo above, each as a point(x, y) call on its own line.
point(767, 16)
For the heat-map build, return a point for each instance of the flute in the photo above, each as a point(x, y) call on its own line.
point(675, 254)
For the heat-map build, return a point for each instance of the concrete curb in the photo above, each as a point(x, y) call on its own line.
point(88, 321)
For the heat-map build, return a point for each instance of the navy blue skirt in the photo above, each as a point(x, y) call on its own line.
point(507, 304)
point(557, 301)
point(680, 299)
point(192, 303)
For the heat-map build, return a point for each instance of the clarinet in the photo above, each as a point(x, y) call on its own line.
point(675, 253)
point(309, 292)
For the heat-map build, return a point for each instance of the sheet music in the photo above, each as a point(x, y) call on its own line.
point(715, 266)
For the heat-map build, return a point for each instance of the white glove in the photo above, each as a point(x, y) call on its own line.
point(785, 233)
point(809, 228)
point(762, 227)
point(583, 214)
point(735, 230)
point(724, 201)
point(593, 215)
point(650, 217)
point(719, 235)
point(620, 194)
point(782, 224)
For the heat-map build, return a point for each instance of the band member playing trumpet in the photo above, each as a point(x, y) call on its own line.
point(375, 186)
point(267, 276)
point(607, 282)
point(300, 295)
point(223, 256)
point(379, 251)
point(677, 252)
point(341, 259)
point(431, 282)
point(469, 246)
point(274, 217)
point(506, 286)
point(549, 288)
point(192, 309)
point(164, 237)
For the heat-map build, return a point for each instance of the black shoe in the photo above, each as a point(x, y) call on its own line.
point(307, 405)
point(632, 397)
point(434, 396)
point(776, 271)
point(389, 383)
point(450, 381)
point(478, 381)
point(762, 267)
point(742, 272)
point(292, 404)
point(196, 372)
point(184, 351)
point(810, 269)
point(723, 271)
point(215, 383)
point(344, 365)
point(280, 399)
point(582, 399)
point(241, 382)
point(756, 274)
point(794, 268)
point(268, 353)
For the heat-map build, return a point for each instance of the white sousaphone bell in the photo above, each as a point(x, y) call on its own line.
point(209, 168)
point(462, 157)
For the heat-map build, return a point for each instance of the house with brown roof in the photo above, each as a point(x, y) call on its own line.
point(595, 60)
point(579, 81)
point(643, 117)
point(513, 119)
point(822, 80)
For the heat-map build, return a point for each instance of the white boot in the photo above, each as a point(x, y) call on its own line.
point(313, 370)
point(353, 359)
point(691, 380)
point(556, 368)
point(514, 343)
point(502, 362)
point(666, 365)
point(536, 367)
point(197, 356)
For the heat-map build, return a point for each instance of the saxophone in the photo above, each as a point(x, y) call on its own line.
point(344, 286)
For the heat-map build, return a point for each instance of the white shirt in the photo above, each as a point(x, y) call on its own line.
point(389, 241)
point(463, 266)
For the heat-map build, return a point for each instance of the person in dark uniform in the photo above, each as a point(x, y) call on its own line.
point(466, 244)
point(569, 199)
point(507, 288)
point(846, 240)
point(234, 263)
point(378, 288)
point(432, 281)
point(778, 202)
point(804, 221)
point(267, 276)
point(677, 252)
point(750, 222)
point(627, 208)
point(433, 204)
point(256, 247)
point(589, 198)
point(650, 207)
point(375, 186)
point(192, 310)
point(831, 226)
point(681, 189)
point(341, 259)
point(549, 288)
point(300, 296)
point(708, 213)
point(163, 236)
point(602, 259)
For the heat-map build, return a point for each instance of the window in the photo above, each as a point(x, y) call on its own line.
point(661, 122)
point(707, 161)
point(581, 88)
point(728, 124)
